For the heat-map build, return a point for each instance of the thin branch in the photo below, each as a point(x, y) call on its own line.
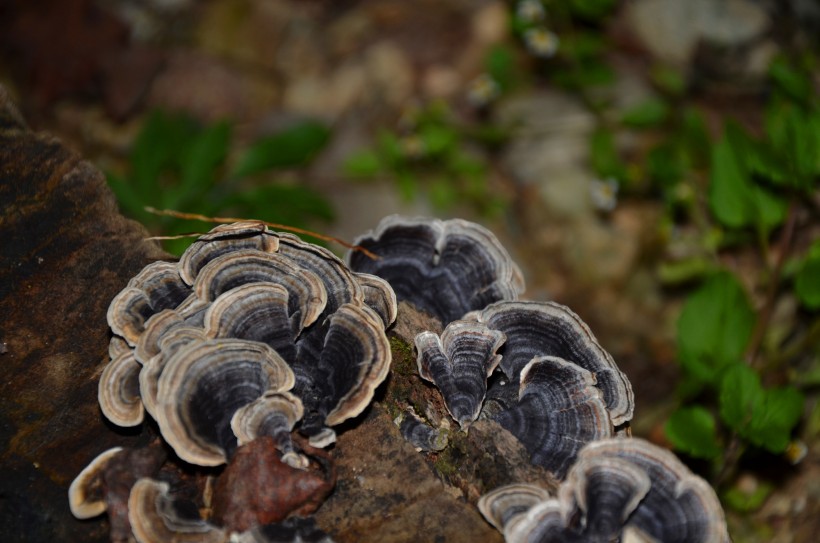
point(225, 220)
point(774, 281)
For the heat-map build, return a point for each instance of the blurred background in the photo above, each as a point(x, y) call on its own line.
point(653, 164)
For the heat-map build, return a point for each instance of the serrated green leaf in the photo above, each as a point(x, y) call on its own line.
point(651, 112)
point(692, 430)
point(289, 148)
point(714, 327)
point(772, 424)
point(741, 397)
point(733, 198)
point(807, 280)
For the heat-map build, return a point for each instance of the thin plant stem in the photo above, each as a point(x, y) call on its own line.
point(767, 309)
point(225, 220)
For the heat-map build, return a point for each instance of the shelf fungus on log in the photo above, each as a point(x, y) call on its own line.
point(618, 489)
point(156, 517)
point(274, 415)
point(353, 362)
point(420, 434)
point(459, 363)
point(379, 296)
point(536, 329)
point(158, 286)
point(445, 268)
point(223, 239)
point(202, 386)
point(559, 410)
point(119, 391)
point(104, 485)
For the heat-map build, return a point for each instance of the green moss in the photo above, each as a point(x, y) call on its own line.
point(404, 361)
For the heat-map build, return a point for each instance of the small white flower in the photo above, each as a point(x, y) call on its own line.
point(541, 42)
point(604, 194)
point(483, 90)
point(530, 11)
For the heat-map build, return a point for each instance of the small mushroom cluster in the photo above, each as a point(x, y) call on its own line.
point(618, 490)
point(534, 367)
point(252, 334)
point(537, 370)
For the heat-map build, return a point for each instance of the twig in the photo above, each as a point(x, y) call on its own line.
point(225, 220)
point(771, 293)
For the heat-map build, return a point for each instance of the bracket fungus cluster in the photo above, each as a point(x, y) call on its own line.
point(255, 345)
point(537, 370)
point(618, 490)
point(253, 335)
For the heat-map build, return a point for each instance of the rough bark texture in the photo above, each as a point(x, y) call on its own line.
point(65, 251)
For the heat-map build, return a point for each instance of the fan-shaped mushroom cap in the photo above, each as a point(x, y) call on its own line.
point(170, 343)
point(223, 239)
point(117, 346)
point(119, 391)
point(547, 328)
point(256, 312)
point(157, 287)
point(618, 490)
point(445, 268)
point(420, 434)
point(501, 505)
point(156, 518)
point(680, 507)
point(340, 284)
point(86, 497)
point(354, 361)
point(155, 328)
point(274, 415)
point(202, 386)
point(307, 296)
point(459, 364)
point(379, 296)
point(558, 411)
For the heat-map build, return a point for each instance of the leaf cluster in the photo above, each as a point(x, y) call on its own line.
point(177, 163)
point(432, 155)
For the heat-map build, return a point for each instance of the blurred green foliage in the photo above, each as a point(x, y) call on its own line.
point(177, 163)
point(432, 155)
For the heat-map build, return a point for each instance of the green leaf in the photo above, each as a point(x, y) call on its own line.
point(651, 112)
point(669, 79)
point(591, 10)
point(692, 430)
point(289, 148)
point(747, 501)
point(772, 425)
point(292, 205)
point(733, 198)
point(795, 83)
point(765, 417)
point(156, 148)
point(499, 64)
point(362, 164)
point(714, 327)
point(807, 280)
point(198, 164)
point(604, 156)
point(695, 137)
point(741, 397)
point(437, 139)
point(130, 202)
